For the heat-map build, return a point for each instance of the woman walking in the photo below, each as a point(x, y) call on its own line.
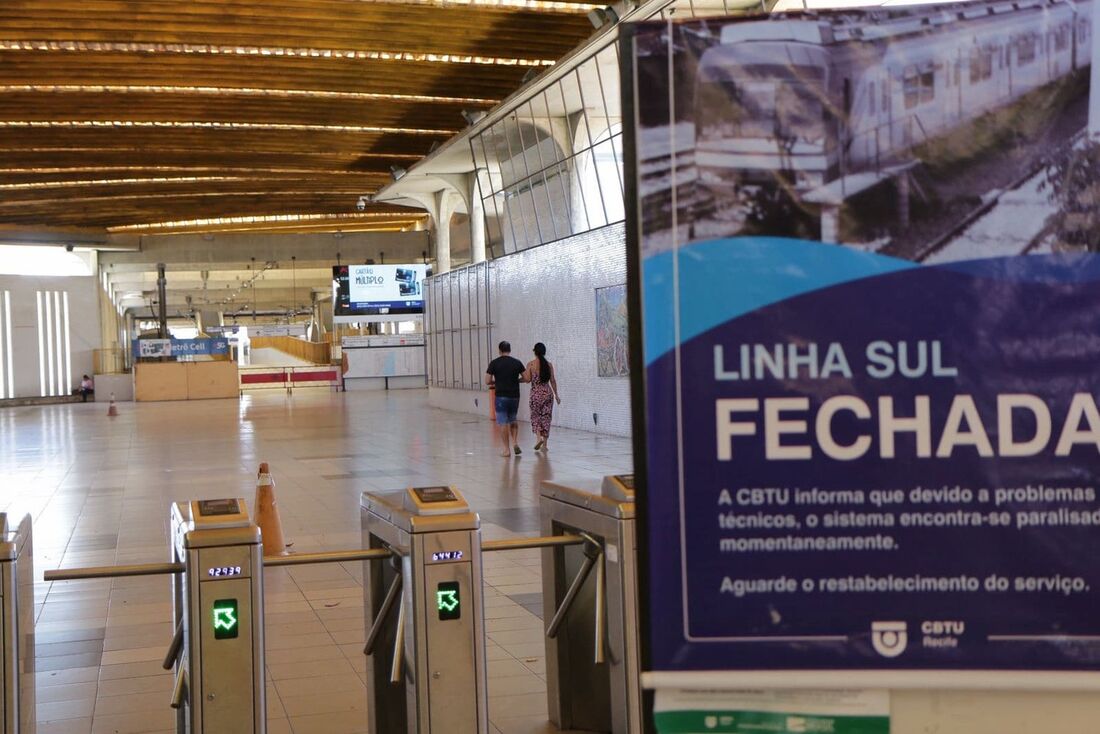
point(544, 392)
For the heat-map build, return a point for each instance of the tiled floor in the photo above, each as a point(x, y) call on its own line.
point(100, 488)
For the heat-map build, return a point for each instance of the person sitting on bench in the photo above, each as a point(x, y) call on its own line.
point(87, 387)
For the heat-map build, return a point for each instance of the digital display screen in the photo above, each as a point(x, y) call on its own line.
point(447, 555)
point(627, 480)
point(435, 494)
point(371, 290)
point(447, 601)
point(225, 620)
point(219, 571)
point(213, 508)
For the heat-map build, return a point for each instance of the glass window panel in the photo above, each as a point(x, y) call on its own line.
point(608, 69)
point(527, 206)
point(544, 209)
point(591, 189)
point(549, 119)
point(514, 140)
point(531, 139)
point(607, 171)
point(582, 221)
point(569, 105)
point(571, 84)
point(559, 206)
point(477, 149)
point(519, 227)
point(493, 233)
point(508, 171)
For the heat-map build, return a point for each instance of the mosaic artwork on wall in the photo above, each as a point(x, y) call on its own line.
point(611, 332)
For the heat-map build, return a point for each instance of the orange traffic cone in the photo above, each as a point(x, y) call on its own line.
point(267, 514)
point(112, 409)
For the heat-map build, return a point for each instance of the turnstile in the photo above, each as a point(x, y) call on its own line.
point(218, 648)
point(426, 673)
point(17, 619)
point(592, 647)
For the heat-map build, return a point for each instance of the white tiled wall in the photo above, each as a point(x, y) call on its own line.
point(548, 294)
point(83, 327)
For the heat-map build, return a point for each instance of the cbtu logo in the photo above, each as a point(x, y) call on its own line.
point(889, 638)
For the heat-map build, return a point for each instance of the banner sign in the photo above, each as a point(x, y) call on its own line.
point(180, 347)
point(777, 712)
point(870, 314)
point(278, 330)
point(152, 348)
point(411, 340)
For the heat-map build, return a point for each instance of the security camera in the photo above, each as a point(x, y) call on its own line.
point(361, 205)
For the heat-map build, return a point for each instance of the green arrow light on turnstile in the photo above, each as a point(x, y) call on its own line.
point(226, 622)
point(447, 601)
point(224, 619)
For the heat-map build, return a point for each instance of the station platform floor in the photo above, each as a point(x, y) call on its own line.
point(99, 489)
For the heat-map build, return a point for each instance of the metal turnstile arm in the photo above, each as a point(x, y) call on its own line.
point(302, 559)
point(592, 553)
point(601, 611)
point(174, 648)
point(392, 595)
point(398, 666)
point(544, 541)
point(111, 572)
point(179, 690)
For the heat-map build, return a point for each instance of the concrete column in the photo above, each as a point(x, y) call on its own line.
point(442, 231)
point(477, 218)
point(443, 205)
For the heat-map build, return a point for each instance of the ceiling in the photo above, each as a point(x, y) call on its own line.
point(155, 116)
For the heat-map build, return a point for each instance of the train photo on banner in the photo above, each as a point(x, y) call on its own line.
point(886, 128)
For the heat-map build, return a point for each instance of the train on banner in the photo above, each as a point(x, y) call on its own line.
point(866, 280)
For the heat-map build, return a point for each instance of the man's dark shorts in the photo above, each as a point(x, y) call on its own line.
point(507, 408)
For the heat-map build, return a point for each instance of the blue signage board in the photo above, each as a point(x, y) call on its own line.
point(869, 398)
point(180, 347)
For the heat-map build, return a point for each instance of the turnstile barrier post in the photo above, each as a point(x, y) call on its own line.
point(435, 680)
point(17, 712)
point(218, 605)
point(592, 646)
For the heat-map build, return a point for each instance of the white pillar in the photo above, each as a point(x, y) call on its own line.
point(441, 225)
point(1094, 77)
point(477, 218)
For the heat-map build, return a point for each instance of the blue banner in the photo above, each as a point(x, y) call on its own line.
point(872, 431)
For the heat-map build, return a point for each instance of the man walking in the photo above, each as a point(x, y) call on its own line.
point(505, 373)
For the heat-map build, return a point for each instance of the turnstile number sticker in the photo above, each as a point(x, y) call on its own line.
point(434, 494)
point(454, 555)
point(447, 600)
point(225, 619)
point(219, 571)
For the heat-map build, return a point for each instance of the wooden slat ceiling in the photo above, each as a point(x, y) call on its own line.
point(245, 114)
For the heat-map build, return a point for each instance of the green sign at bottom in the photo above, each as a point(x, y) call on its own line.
point(755, 722)
point(772, 712)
